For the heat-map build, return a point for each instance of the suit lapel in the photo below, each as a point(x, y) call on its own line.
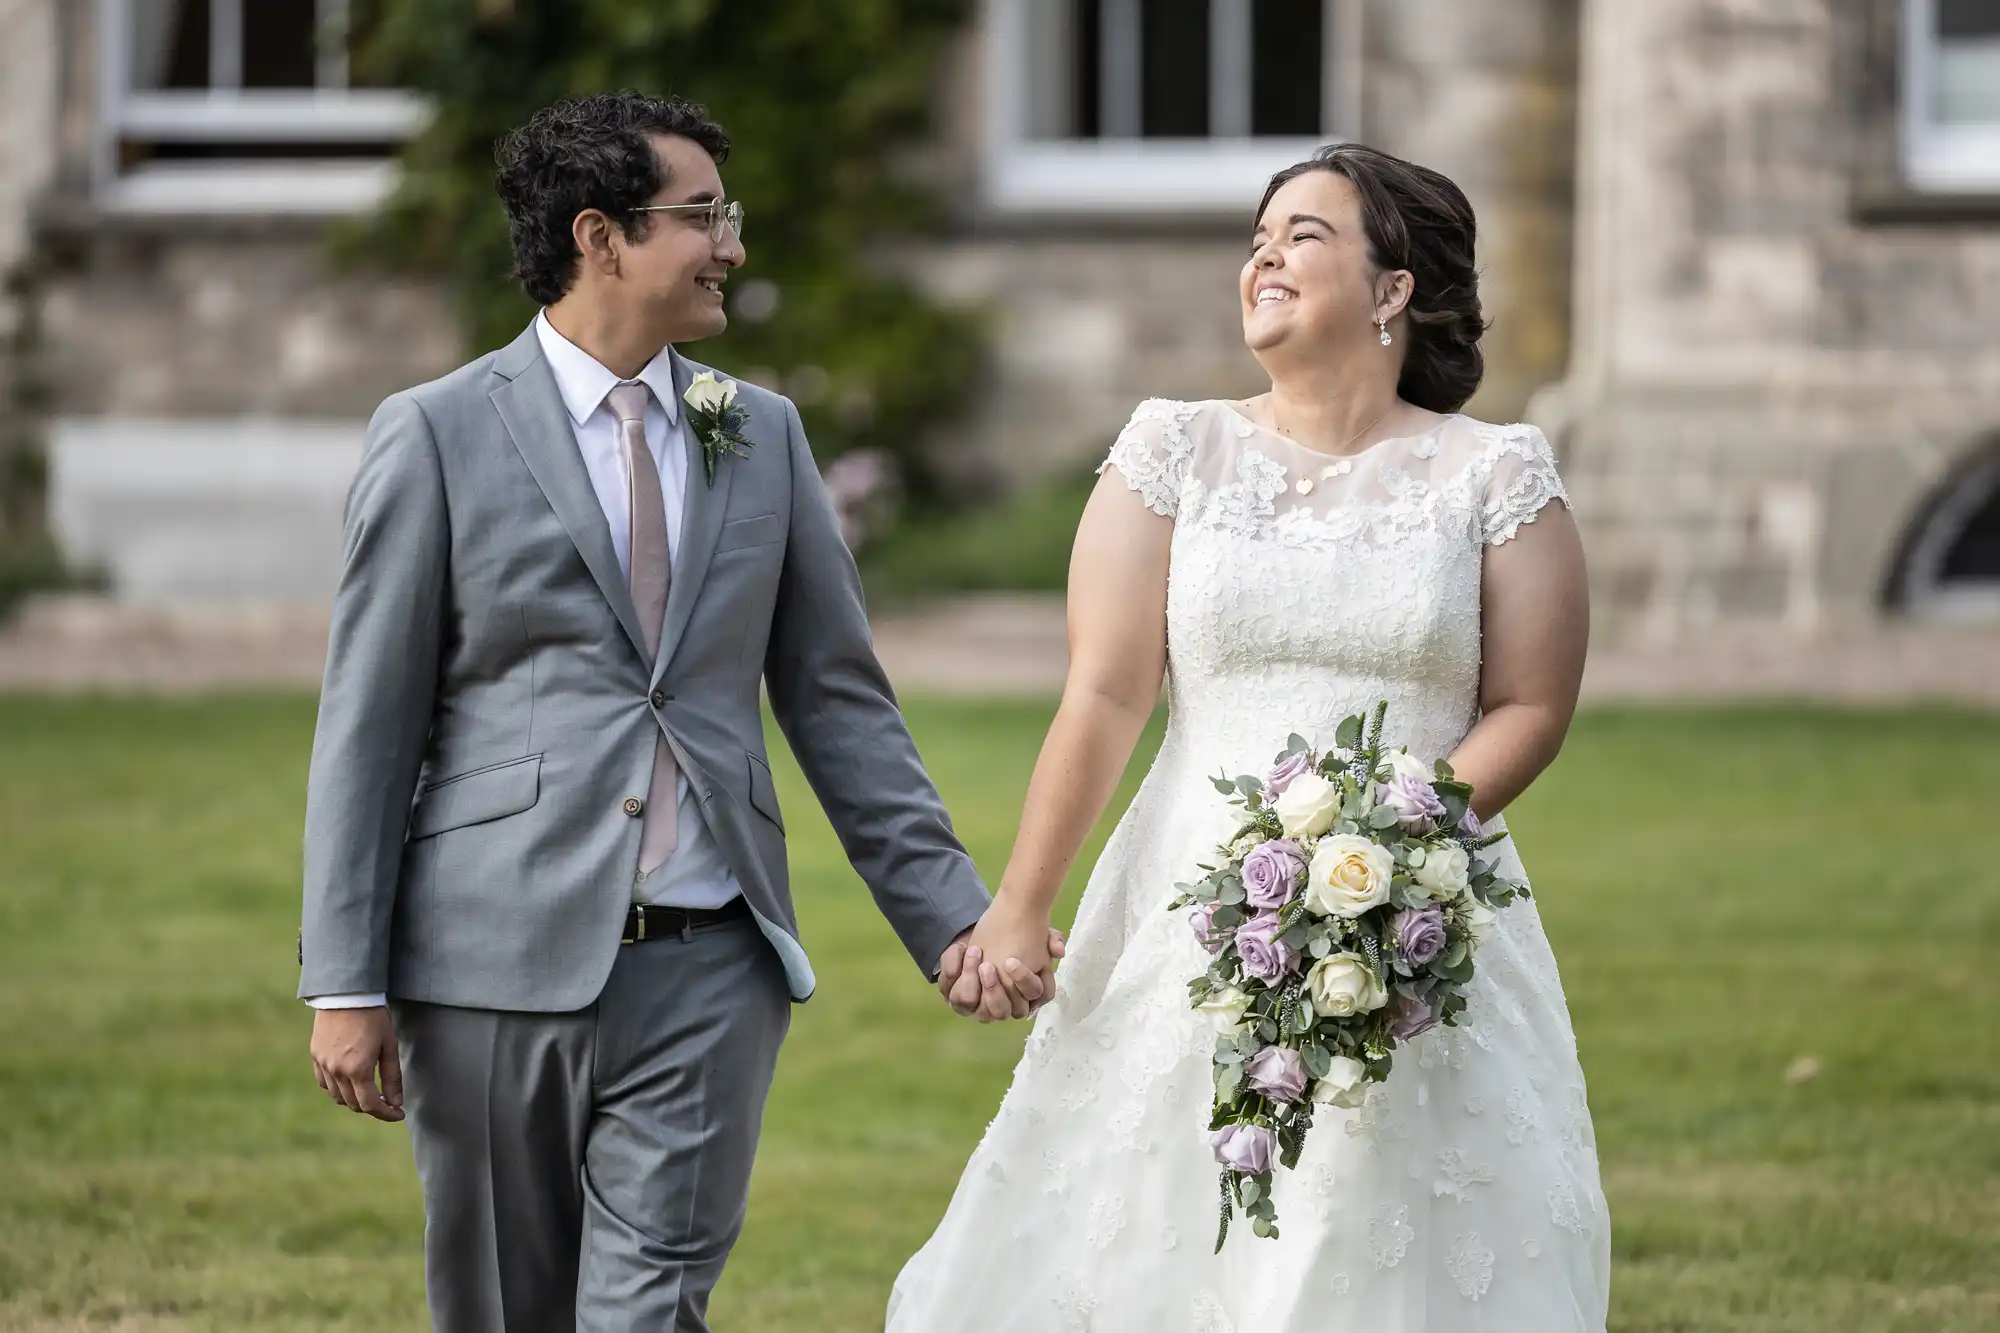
point(531, 408)
point(701, 522)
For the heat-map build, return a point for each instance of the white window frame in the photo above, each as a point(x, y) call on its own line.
point(1122, 174)
point(227, 113)
point(1943, 158)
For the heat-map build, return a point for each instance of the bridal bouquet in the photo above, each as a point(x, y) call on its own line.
point(1343, 919)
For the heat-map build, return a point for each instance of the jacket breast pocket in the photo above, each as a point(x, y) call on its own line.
point(764, 792)
point(758, 530)
point(477, 797)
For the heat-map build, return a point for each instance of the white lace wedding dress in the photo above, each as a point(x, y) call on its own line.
point(1463, 1197)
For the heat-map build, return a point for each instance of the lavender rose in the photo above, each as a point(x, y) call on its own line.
point(1292, 766)
point(1410, 1018)
point(1202, 919)
point(1278, 1072)
point(1413, 800)
point(1419, 934)
point(1265, 957)
point(1271, 871)
point(1245, 1148)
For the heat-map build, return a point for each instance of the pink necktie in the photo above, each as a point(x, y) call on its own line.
point(651, 575)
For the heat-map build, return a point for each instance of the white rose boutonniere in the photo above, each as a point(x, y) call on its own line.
point(717, 420)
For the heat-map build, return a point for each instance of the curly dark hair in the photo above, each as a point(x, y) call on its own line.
point(587, 152)
point(1416, 219)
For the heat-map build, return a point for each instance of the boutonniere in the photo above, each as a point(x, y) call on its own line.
point(717, 420)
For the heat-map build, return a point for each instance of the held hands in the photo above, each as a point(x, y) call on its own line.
point(1003, 967)
point(348, 1046)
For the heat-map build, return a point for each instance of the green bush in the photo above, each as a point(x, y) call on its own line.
point(1020, 544)
point(31, 566)
point(819, 97)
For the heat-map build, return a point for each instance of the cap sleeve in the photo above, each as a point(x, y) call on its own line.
point(1521, 478)
point(1152, 453)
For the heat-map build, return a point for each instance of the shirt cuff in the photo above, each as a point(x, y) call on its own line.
point(374, 1001)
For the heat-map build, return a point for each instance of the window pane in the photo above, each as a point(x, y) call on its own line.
point(1174, 69)
point(170, 44)
point(1968, 18)
point(1088, 61)
point(278, 43)
point(1287, 65)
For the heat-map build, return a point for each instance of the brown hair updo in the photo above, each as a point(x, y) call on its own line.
point(1416, 219)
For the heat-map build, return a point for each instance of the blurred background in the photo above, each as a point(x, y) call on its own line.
point(1742, 259)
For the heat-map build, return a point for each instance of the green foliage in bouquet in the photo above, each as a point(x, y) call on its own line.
point(820, 99)
point(1342, 917)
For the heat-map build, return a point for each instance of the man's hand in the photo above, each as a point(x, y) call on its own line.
point(1003, 967)
point(348, 1047)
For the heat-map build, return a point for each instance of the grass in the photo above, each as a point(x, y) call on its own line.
point(1727, 890)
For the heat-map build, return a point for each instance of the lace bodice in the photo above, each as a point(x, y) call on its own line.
point(1303, 586)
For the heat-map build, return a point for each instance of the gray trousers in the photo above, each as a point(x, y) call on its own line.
point(588, 1170)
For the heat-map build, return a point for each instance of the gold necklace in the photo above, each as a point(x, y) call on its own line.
point(1342, 450)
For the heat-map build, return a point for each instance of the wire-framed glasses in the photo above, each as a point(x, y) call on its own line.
point(721, 213)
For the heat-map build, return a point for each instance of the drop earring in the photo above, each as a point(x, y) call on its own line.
point(1383, 325)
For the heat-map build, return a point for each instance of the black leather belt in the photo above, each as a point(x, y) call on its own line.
point(654, 923)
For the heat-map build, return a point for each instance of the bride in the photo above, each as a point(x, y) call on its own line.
point(1284, 562)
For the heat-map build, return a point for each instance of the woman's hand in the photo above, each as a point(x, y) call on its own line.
point(1007, 968)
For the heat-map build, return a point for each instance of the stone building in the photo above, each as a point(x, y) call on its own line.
point(1784, 396)
point(1739, 256)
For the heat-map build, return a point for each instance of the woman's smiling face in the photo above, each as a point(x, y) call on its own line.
point(1310, 279)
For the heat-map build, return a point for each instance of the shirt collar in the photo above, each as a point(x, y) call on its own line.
point(584, 382)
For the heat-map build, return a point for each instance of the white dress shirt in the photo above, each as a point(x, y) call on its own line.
point(696, 874)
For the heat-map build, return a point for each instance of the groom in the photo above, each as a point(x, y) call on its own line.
point(546, 904)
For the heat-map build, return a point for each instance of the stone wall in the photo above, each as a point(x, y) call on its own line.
point(1770, 372)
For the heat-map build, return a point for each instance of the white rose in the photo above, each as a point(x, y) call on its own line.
point(1308, 807)
point(708, 394)
point(1403, 764)
point(1342, 986)
point(1445, 873)
point(1345, 1083)
point(1479, 919)
point(1349, 874)
point(1225, 1008)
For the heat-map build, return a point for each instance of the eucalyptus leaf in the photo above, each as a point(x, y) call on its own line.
point(1348, 735)
point(1248, 1191)
point(1381, 817)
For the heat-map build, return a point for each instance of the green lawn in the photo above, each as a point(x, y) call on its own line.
point(1728, 890)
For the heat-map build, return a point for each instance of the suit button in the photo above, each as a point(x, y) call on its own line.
point(633, 805)
point(659, 698)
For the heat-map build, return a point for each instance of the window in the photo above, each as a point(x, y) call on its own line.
point(225, 106)
point(1150, 105)
point(1951, 94)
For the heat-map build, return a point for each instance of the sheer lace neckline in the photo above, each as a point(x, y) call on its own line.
point(1230, 409)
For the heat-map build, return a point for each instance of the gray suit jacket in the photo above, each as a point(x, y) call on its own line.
point(488, 707)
